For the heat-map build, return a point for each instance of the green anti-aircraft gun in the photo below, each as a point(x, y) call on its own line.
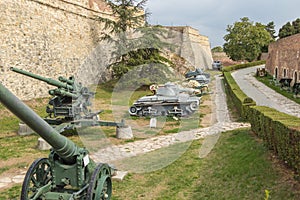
point(70, 104)
point(68, 173)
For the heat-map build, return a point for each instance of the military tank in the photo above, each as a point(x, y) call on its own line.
point(168, 100)
point(198, 75)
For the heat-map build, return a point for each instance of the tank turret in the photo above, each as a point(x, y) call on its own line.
point(168, 100)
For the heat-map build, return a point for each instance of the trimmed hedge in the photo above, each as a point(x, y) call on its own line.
point(241, 66)
point(279, 131)
point(240, 99)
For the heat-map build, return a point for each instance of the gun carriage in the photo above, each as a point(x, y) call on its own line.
point(70, 104)
point(68, 172)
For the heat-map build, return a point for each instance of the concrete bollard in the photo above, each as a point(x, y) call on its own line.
point(153, 123)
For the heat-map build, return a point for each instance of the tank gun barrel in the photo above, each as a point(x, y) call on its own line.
point(47, 80)
point(64, 147)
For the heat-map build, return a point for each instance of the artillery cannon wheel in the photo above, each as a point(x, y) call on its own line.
point(38, 175)
point(100, 187)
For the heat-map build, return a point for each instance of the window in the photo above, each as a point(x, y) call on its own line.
point(284, 73)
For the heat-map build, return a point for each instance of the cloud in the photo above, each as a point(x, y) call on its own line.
point(211, 17)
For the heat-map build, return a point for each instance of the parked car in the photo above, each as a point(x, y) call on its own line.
point(217, 65)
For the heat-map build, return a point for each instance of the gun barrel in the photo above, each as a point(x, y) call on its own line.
point(60, 92)
point(64, 147)
point(47, 80)
point(65, 80)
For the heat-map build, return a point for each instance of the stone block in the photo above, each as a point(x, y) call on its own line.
point(119, 175)
point(24, 129)
point(43, 145)
point(124, 132)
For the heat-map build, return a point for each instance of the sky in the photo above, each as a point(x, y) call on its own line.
point(211, 17)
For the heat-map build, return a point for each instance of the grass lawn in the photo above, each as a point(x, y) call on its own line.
point(239, 167)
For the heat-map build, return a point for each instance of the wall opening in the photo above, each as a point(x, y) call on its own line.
point(276, 72)
point(284, 73)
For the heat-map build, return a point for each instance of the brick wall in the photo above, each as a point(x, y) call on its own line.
point(284, 58)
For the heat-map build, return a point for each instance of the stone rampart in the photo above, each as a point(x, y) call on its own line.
point(55, 38)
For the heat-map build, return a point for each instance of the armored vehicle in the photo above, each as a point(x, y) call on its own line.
point(168, 100)
point(198, 75)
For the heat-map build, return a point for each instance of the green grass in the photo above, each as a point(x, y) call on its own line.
point(267, 80)
point(237, 168)
point(11, 193)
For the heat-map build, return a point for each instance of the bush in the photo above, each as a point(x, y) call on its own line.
point(241, 66)
point(240, 99)
point(280, 132)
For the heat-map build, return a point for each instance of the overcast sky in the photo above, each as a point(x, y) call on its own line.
point(211, 17)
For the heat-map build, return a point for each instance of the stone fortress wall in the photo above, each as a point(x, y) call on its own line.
point(53, 38)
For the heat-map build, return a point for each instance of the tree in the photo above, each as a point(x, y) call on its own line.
point(270, 27)
point(286, 30)
point(245, 40)
point(217, 49)
point(129, 18)
point(296, 26)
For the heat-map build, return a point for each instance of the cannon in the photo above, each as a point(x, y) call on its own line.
point(68, 172)
point(71, 102)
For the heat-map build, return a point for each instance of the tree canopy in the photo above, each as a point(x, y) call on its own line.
point(217, 49)
point(134, 40)
point(245, 40)
point(290, 29)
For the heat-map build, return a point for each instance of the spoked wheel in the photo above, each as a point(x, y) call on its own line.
point(38, 175)
point(100, 187)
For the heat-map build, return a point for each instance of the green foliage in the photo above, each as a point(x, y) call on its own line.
point(286, 30)
point(217, 49)
point(280, 132)
point(270, 27)
point(268, 81)
point(136, 58)
point(127, 15)
point(296, 25)
point(240, 99)
point(241, 66)
point(290, 29)
point(245, 40)
point(130, 51)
